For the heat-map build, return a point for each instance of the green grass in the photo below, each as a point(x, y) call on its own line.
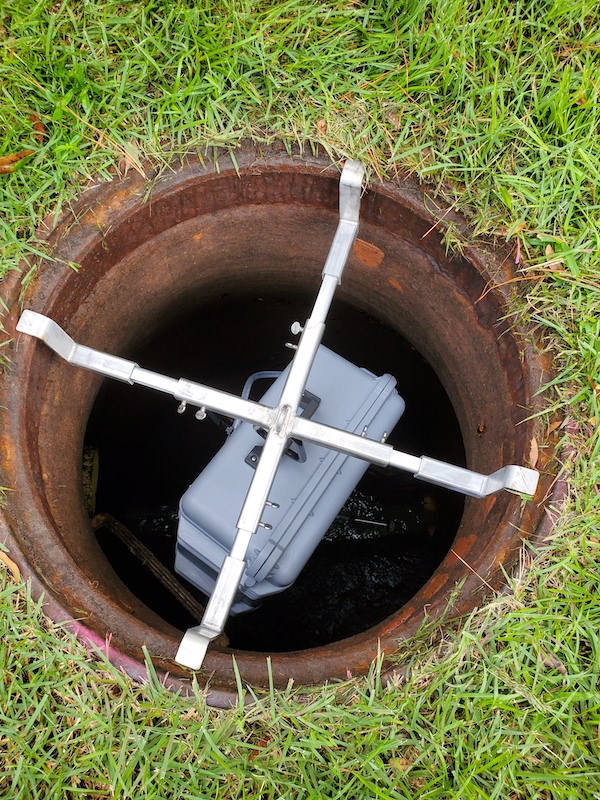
point(496, 104)
point(511, 710)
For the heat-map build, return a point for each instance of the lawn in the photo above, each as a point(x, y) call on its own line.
point(493, 103)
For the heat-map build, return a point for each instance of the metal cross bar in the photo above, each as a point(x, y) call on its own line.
point(282, 422)
point(515, 478)
point(196, 640)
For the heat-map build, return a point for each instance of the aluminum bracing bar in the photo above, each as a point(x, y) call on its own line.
point(515, 478)
point(196, 640)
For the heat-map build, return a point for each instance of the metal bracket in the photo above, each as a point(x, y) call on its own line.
point(350, 190)
point(282, 422)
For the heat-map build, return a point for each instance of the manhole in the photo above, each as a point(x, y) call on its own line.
point(188, 281)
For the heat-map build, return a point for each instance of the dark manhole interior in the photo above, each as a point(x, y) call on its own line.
point(148, 455)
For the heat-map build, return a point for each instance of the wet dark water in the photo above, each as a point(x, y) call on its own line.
point(391, 534)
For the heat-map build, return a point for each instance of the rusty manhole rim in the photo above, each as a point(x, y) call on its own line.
point(201, 194)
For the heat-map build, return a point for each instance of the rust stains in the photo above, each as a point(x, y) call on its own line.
point(369, 254)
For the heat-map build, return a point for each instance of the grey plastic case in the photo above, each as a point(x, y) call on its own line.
point(306, 495)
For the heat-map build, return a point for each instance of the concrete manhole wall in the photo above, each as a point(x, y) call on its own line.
point(148, 255)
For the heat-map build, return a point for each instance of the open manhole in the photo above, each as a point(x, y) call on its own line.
point(201, 279)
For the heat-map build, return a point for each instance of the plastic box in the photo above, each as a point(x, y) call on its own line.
point(306, 495)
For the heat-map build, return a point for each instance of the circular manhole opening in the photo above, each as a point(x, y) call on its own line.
point(199, 280)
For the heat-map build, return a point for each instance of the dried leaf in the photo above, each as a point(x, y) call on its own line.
point(393, 119)
point(549, 250)
point(593, 421)
point(533, 453)
point(38, 127)
point(7, 163)
point(131, 158)
point(427, 156)
point(554, 426)
point(520, 226)
point(322, 126)
point(261, 745)
point(550, 660)
point(401, 764)
point(14, 569)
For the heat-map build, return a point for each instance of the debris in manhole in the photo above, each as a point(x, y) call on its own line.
point(150, 561)
point(282, 425)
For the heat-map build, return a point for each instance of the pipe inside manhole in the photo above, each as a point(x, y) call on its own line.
point(250, 243)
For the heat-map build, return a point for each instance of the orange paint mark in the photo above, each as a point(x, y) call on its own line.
point(398, 619)
point(435, 583)
point(396, 285)
point(463, 546)
point(370, 255)
point(197, 236)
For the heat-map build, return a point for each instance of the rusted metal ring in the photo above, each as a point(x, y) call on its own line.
point(145, 253)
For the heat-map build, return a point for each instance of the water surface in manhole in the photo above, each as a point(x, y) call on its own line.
point(389, 537)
